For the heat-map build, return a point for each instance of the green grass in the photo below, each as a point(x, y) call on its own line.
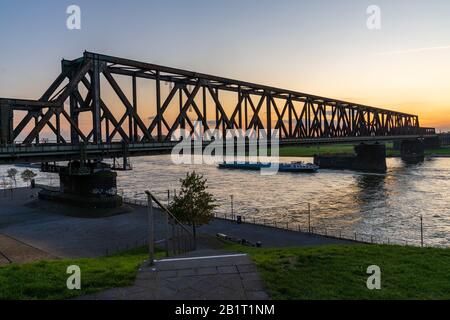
point(47, 279)
point(444, 151)
point(339, 272)
point(310, 151)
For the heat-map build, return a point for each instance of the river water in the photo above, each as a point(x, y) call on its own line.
point(387, 206)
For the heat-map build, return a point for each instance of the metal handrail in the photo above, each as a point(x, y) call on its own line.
point(178, 240)
point(166, 210)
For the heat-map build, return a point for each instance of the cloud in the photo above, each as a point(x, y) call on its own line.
point(415, 50)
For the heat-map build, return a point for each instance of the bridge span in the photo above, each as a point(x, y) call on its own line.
point(108, 107)
point(78, 109)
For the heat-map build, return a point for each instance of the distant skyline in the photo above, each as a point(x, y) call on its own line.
point(318, 47)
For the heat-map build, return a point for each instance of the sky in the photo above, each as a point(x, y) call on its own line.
point(318, 47)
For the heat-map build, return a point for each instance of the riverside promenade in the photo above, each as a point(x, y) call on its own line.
point(34, 230)
point(53, 230)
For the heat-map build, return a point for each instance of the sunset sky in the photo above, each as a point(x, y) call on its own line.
point(318, 47)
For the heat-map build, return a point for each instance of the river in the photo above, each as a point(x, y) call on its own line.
point(387, 206)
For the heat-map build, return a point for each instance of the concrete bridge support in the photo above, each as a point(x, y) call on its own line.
point(367, 158)
point(6, 125)
point(412, 151)
point(92, 185)
point(370, 157)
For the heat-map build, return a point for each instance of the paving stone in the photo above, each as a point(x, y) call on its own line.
point(167, 274)
point(227, 269)
point(201, 281)
point(146, 275)
point(146, 295)
point(146, 283)
point(186, 272)
point(253, 285)
point(250, 276)
point(207, 271)
point(257, 295)
point(246, 268)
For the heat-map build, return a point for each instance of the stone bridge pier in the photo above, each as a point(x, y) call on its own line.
point(367, 158)
point(89, 185)
point(412, 151)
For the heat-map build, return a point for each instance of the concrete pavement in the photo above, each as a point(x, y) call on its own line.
point(223, 277)
point(52, 228)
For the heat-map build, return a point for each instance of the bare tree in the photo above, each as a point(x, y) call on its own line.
point(12, 173)
point(5, 185)
point(27, 176)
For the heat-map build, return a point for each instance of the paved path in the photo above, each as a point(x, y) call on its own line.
point(14, 251)
point(223, 277)
point(268, 236)
point(50, 228)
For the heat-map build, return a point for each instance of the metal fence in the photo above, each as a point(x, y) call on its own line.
point(309, 227)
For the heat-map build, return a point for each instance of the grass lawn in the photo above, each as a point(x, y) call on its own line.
point(339, 272)
point(310, 151)
point(47, 279)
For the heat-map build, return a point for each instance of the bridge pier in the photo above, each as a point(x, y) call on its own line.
point(370, 157)
point(89, 185)
point(412, 151)
point(367, 158)
point(6, 125)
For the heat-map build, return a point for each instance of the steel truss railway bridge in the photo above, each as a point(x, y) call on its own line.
point(179, 99)
point(94, 111)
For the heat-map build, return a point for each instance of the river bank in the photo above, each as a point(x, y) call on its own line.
point(306, 151)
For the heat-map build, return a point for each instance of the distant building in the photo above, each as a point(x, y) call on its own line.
point(445, 138)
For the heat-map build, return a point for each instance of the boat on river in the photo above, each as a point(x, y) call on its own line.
point(295, 167)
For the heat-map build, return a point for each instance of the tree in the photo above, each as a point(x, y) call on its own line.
point(5, 185)
point(193, 205)
point(12, 173)
point(28, 175)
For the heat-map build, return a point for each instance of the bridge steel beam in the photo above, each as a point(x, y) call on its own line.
point(216, 102)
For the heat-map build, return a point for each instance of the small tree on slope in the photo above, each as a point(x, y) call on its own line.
point(193, 205)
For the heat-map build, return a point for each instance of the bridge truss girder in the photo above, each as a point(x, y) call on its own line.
point(78, 90)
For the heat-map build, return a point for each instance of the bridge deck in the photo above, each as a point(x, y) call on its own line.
point(13, 154)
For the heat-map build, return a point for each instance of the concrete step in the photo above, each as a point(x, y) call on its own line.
point(196, 262)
